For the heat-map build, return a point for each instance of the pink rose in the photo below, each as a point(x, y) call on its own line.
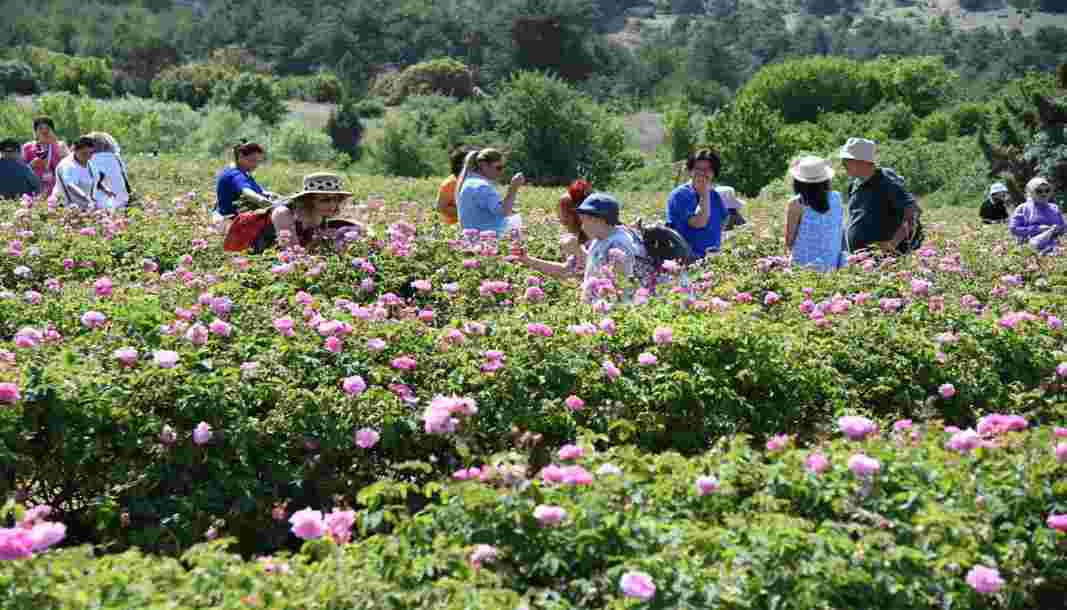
point(863, 466)
point(353, 386)
point(220, 328)
point(663, 335)
point(574, 403)
point(93, 319)
point(647, 359)
point(339, 525)
point(126, 355)
point(1061, 453)
point(482, 554)
point(366, 438)
point(202, 433)
point(947, 391)
point(308, 524)
point(706, 485)
point(637, 585)
point(857, 428)
point(103, 287)
point(549, 516)
point(571, 452)
point(166, 359)
point(778, 443)
point(985, 580)
point(817, 463)
point(9, 393)
point(404, 363)
point(1058, 522)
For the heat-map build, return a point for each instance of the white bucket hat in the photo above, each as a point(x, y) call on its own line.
point(859, 149)
point(997, 187)
point(811, 169)
point(322, 183)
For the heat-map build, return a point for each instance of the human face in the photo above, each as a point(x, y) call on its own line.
point(1000, 197)
point(491, 169)
point(83, 154)
point(594, 226)
point(44, 134)
point(1043, 192)
point(857, 169)
point(249, 163)
point(702, 168)
point(327, 206)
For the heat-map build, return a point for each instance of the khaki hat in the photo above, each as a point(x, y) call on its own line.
point(859, 149)
point(997, 187)
point(811, 169)
point(322, 183)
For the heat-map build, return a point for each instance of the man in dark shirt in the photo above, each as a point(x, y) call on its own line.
point(16, 178)
point(881, 212)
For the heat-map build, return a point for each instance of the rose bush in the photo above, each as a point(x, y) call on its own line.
point(155, 390)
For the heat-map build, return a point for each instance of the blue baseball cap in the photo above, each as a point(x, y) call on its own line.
point(601, 205)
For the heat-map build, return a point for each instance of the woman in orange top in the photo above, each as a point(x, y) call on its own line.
point(446, 194)
point(568, 204)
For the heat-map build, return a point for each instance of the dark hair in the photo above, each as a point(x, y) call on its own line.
point(84, 142)
point(245, 149)
point(44, 120)
point(456, 158)
point(704, 154)
point(815, 195)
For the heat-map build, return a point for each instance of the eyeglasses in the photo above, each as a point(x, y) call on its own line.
point(499, 167)
point(1044, 190)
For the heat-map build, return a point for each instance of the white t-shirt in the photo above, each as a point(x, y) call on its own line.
point(109, 165)
point(69, 172)
point(598, 256)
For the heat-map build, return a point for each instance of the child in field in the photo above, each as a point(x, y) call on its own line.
point(446, 194)
point(733, 206)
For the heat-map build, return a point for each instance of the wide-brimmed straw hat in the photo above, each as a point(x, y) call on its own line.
point(321, 183)
point(811, 169)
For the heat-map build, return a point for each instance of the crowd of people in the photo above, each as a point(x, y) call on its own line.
point(90, 174)
point(882, 215)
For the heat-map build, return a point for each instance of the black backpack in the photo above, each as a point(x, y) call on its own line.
point(661, 244)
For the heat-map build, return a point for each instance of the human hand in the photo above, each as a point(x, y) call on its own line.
point(518, 181)
point(701, 184)
point(38, 163)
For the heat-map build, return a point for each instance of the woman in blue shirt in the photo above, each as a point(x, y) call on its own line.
point(480, 206)
point(236, 181)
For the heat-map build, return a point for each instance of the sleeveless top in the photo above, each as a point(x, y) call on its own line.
point(819, 237)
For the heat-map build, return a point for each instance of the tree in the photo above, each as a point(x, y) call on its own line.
point(747, 137)
point(345, 128)
point(253, 95)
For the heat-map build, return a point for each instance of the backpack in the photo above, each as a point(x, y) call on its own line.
point(661, 244)
point(245, 229)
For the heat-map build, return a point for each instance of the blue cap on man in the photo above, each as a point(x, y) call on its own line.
point(601, 205)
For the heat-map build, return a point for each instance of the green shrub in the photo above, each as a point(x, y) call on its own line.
point(221, 128)
point(404, 150)
point(322, 87)
point(293, 141)
point(468, 122)
point(17, 77)
point(556, 134)
point(252, 95)
point(800, 90)
point(61, 72)
point(922, 83)
point(345, 129)
point(192, 84)
point(681, 135)
point(970, 118)
point(138, 124)
point(748, 136)
point(370, 108)
point(936, 127)
point(445, 76)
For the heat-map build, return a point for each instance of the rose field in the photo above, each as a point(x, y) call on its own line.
point(412, 420)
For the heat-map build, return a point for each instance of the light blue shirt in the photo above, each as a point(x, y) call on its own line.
point(480, 206)
point(819, 237)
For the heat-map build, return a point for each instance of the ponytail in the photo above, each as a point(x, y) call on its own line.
point(468, 165)
point(246, 148)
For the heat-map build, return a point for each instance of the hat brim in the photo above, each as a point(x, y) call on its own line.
point(827, 176)
point(338, 194)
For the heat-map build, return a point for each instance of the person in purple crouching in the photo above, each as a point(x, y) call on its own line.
point(1038, 221)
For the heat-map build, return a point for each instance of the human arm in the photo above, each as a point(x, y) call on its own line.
point(69, 179)
point(1021, 226)
point(446, 199)
point(907, 208)
point(507, 206)
point(794, 212)
point(702, 214)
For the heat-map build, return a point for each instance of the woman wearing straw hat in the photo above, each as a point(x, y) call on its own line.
point(306, 214)
point(815, 217)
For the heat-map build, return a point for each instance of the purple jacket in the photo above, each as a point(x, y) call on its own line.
point(1029, 217)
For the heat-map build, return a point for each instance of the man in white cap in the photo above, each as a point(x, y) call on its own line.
point(995, 207)
point(881, 212)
